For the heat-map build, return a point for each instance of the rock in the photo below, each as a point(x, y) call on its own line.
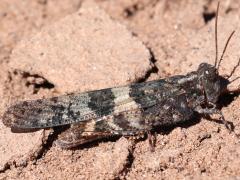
point(84, 51)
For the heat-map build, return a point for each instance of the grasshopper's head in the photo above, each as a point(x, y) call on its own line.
point(209, 81)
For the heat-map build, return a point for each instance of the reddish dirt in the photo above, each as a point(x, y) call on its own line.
point(103, 52)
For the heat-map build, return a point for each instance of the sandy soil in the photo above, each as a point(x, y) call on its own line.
point(50, 47)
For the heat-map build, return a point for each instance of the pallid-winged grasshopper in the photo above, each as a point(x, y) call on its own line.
point(128, 110)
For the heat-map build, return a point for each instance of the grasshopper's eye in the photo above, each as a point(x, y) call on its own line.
point(211, 73)
point(207, 70)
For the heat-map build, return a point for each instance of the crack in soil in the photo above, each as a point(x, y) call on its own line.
point(137, 7)
point(37, 81)
point(151, 71)
point(128, 166)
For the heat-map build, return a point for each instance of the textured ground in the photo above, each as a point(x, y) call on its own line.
point(50, 47)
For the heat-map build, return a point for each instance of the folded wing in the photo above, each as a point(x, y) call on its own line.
point(93, 105)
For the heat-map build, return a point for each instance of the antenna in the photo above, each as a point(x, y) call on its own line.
point(217, 63)
point(216, 39)
point(234, 69)
point(225, 48)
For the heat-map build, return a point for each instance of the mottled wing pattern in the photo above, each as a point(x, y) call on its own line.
point(94, 105)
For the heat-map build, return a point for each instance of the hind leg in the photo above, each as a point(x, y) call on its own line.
point(79, 134)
